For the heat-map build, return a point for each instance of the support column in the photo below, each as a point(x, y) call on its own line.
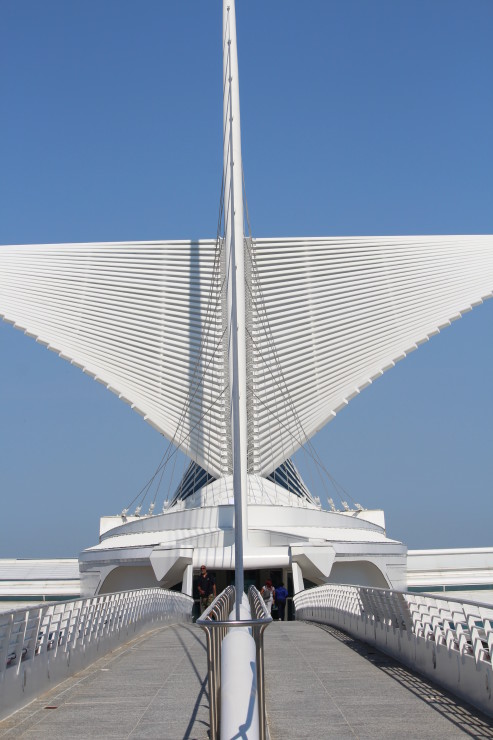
point(187, 582)
point(297, 578)
point(235, 282)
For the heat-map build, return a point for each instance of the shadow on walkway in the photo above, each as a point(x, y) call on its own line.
point(470, 720)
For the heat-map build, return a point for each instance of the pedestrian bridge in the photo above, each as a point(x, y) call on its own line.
point(319, 683)
point(132, 664)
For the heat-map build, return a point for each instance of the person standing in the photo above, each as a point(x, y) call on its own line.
point(268, 595)
point(281, 596)
point(207, 589)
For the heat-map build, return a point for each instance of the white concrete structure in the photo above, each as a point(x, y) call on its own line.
point(28, 581)
point(238, 350)
point(459, 573)
point(286, 534)
point(465, 573)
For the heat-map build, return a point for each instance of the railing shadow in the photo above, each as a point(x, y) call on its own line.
point(203, 683)
point(468, 719)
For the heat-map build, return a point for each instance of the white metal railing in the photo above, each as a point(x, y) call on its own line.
point(448, 640)
point(43, 644)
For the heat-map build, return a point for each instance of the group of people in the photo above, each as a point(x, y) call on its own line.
point(274, 598)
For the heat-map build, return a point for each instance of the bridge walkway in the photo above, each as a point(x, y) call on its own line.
point(319, 682)
point(152, 687)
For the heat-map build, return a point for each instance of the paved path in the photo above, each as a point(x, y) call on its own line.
point(153, 687)
point(319, 682)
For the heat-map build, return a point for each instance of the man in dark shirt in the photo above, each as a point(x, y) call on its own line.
point(207, 589)
point(281, 596)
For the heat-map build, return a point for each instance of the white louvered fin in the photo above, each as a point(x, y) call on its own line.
point(328, 316)
point(143, 318)
point(331, 315)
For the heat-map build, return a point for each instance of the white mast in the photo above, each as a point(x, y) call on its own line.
point(235, 271)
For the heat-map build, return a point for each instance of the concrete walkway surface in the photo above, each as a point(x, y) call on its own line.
point(153, 687)
point(320, 683)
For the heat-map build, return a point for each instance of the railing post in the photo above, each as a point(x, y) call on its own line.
point(259, 642)
point(4, 646)
point(212, 690)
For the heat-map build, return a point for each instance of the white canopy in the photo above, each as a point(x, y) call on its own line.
point(325, 317)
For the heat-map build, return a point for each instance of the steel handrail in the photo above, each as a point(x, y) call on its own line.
point(216, 629)
point(448, 640)
point(412, 594)
point(461, 625)
point(56, 626)
point(259, 625)
point(43, 644)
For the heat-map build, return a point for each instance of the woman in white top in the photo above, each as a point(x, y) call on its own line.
point(268, 594)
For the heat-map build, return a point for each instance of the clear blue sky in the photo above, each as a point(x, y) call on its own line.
point(358, 118)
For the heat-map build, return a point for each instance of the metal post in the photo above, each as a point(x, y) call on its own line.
point(212, 693)
point(235, 273)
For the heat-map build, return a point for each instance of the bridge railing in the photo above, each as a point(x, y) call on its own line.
point(244, 705)
point(448, 640)
point(42, 645)
point(214, 622)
